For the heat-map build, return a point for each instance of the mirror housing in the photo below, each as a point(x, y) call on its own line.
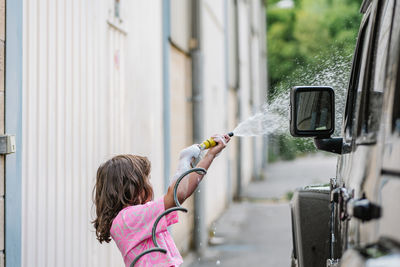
point(312, 111)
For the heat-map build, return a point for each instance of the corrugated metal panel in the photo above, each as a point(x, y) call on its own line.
point(73, 99)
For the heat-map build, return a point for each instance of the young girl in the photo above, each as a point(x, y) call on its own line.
point(126, 210)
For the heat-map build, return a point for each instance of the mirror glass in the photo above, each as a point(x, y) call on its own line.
point(314, 111)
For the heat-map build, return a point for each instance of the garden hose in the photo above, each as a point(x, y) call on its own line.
point(177, 208)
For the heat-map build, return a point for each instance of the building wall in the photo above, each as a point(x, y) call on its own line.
point(252, 90)
point(181, 135)
point(226, 94)
point(258, 79)
point(222, 92)
point(144, 85)
point(2, 74)
point(245, 88)
point(215, 102)
point(79, 112)
point(93, 88)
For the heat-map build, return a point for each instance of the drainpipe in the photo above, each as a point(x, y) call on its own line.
point(226, 63)
point(238, 115)
point(166, 31)
point(252, 33)
point(200, 231)
point(199, 237)
point(13, 126)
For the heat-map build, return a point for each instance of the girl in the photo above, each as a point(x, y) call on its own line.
point(126, 210)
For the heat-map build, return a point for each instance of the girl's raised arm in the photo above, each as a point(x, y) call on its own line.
point(193, 179)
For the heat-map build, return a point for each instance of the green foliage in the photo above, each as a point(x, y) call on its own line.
point(301, 42)
point(308, 32)
point(289, 195)
point(286, 147)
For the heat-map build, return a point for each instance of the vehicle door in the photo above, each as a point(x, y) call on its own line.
point(361, 159)
point(387, 187)
point(379, 238)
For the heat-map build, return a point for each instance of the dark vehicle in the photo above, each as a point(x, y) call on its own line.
point(355, 219)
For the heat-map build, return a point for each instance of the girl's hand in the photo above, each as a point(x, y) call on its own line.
point(221, 140)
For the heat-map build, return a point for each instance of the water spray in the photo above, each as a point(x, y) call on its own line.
point(210, 142)
point(271, 119)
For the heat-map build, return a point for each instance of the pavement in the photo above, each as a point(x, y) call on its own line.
point(257, 230)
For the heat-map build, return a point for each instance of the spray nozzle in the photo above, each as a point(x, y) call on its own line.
point(210, 142)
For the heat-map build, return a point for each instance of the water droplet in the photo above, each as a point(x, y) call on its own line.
point(218, 262)
point(273, 116)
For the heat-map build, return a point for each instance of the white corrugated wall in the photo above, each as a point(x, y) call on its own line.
point(77, 112)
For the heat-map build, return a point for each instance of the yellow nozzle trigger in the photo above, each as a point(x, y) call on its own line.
point(210, 142)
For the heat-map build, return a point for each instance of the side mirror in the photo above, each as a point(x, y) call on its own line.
point(312, 111)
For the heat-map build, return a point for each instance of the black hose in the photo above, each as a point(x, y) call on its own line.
point(162, 250)
point(177, 208)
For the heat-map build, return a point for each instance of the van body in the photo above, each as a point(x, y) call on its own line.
point(354, 220)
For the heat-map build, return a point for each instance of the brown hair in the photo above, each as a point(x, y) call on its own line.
point(121, 181)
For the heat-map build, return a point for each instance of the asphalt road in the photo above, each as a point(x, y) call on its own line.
point(257, 231)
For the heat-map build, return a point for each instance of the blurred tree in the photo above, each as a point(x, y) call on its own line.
point(308, 33)
point(301, 41)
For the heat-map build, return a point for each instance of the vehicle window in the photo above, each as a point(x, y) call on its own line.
point(364, 78)
point(396, 106)
point(377, 70)
point(350, 115)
